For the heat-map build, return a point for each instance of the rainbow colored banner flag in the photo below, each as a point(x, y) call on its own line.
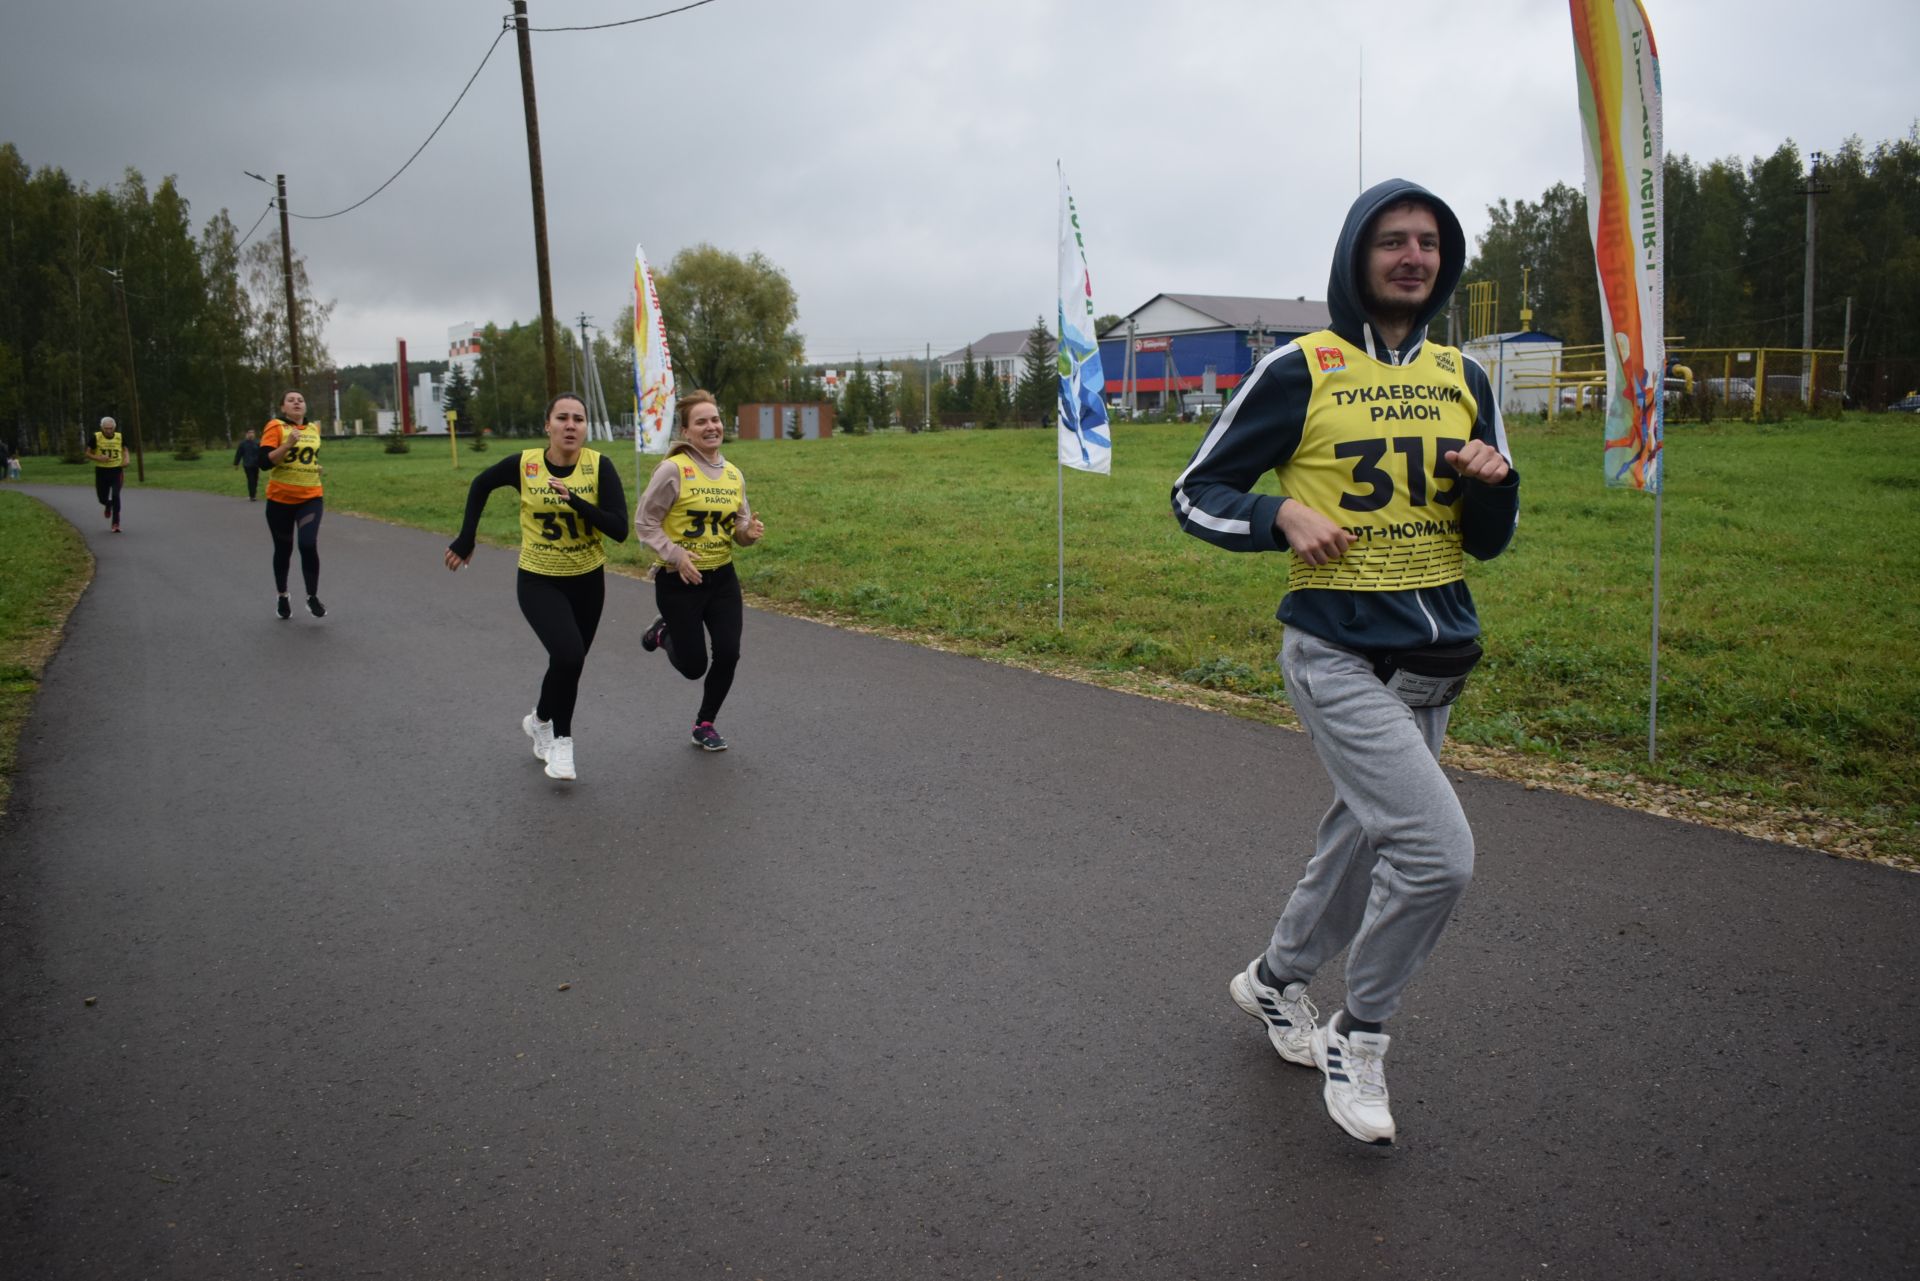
point(1620, 114)
point(1086, 441)
point(652, 365)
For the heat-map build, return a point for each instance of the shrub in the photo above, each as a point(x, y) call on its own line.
point(1697, 406)
point(397, 443)
point(186, 441)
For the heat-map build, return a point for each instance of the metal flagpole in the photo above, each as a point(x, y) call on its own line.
point(1653, 692)
point(1060, 575)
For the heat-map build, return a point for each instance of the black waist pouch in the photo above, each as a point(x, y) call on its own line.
point(1427, 677)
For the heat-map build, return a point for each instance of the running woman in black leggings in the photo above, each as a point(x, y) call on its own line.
point(569, 497)
point(693, 511)
point(109, 457)
point(291, 446)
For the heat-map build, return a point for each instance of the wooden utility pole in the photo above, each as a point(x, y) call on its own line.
point(279, 186)
point(539, 195)
point(1814, 188)
point(286, 274)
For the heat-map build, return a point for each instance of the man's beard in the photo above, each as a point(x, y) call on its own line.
point(1393, 312)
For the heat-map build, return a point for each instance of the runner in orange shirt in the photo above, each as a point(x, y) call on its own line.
point(291, 446)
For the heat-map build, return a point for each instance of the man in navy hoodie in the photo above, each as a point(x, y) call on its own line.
point(1394, 462)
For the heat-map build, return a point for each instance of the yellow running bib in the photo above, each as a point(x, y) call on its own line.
point(555, 540)
point(299, 470)
point(702, 517)
point(1371, 459)
point(113, 450)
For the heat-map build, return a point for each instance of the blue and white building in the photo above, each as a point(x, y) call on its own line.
point(1196, 348)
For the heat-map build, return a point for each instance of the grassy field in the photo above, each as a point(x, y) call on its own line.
point(1790, 698)
point(47, 565)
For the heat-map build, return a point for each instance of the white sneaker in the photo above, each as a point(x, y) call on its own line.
point(541, 732)
point(1355, 1066)
point(1288, 1014)
point(560, 759)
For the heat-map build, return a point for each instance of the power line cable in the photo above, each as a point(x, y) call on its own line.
point(485, 58)
point(423, 146)
point(628, 22)
point(256, 226)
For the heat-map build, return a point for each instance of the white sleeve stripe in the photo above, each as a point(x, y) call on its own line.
point(1216, 523)
point(1220, 426)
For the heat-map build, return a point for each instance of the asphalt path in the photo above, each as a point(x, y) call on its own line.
point(306, 967)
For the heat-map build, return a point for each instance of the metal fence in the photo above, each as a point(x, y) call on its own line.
point(1707, 382)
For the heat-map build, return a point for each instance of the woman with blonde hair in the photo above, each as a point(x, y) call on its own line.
point(692, 513)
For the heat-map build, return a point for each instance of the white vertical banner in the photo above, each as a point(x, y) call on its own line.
point(1086, 439)
point(652, 365)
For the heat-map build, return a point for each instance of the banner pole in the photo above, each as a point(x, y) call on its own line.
point(1060, 574)
point(1653, 691)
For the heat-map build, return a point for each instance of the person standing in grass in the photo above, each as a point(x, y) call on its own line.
point(570, 496)
point(248, 456)
point(1394, 464)
point(291, 446)
point(692, 513)
point(109, 458)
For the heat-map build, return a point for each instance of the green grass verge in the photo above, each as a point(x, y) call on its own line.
point(47, 567)
point(1789, 628)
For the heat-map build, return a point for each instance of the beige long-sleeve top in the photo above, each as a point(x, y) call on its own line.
point(658, 498)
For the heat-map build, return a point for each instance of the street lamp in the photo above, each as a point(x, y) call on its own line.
point(133, 374)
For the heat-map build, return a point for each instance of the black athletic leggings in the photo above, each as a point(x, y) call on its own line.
point(284, 521)
point(106, 485)
point(712, 603)
point(564, 613)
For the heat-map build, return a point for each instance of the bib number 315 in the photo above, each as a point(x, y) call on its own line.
point(1367, 456)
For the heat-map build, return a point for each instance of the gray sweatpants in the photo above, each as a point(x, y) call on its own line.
point(1394, 853)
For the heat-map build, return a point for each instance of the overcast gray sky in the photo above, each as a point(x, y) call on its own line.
point(894, 157)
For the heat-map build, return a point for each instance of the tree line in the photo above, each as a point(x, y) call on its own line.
point(975, 396)
point(1736, 258)
point(110, 291)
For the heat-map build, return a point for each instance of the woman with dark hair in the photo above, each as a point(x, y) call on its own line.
point(569, 497)
point(291, 446)
point(692, 513)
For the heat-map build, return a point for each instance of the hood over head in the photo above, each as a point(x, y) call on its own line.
point(1346, 300)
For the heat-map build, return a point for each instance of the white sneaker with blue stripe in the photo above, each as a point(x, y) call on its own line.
point(1355, 1066)
point(1287, 1012)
